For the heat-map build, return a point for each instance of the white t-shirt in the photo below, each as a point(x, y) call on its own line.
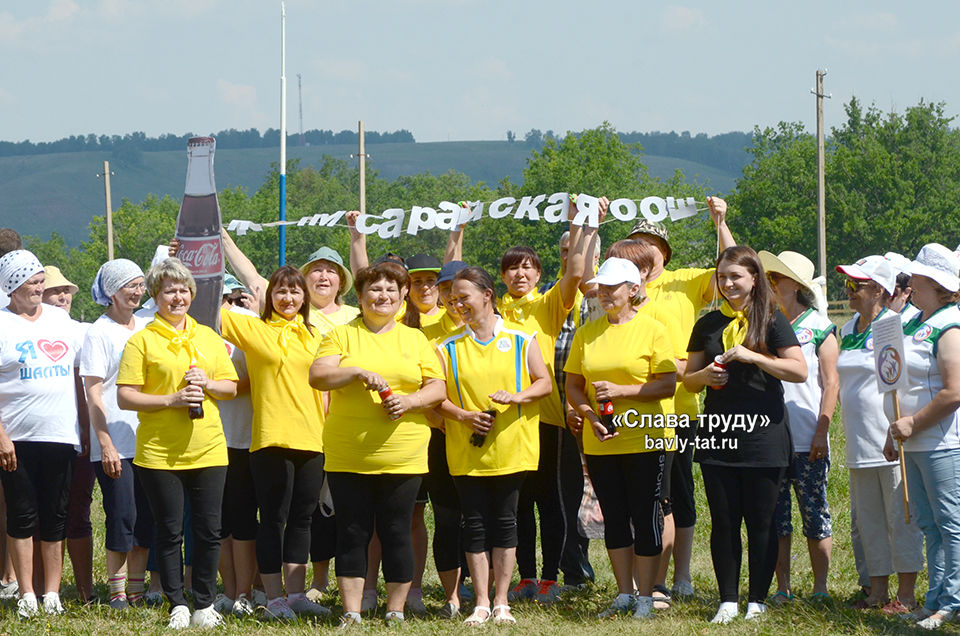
point(38, 401)
point(237, 414)
point(865, 424)
point(803, 399)
point(920, 340)
point(102, 350)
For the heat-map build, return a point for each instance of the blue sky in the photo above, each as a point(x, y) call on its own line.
point(462, 69)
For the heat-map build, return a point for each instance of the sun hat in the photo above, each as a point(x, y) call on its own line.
point(799, 269)
point(232, 284)
point(939, 263)
point(874, 267)
point(55, 278)
point(330, 255)
point(615, 270)
point(659, 230)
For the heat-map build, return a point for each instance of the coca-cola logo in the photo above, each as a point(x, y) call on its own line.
point(202, 256)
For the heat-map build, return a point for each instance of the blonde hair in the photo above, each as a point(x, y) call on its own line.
point(171, 269)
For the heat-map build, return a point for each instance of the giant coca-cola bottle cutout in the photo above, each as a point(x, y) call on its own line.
point(198, 230)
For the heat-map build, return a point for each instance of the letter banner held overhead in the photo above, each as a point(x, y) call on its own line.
point(394, 222)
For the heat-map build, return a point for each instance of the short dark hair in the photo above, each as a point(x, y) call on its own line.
point(392, 271)
point(9, 240)
point(516, 255)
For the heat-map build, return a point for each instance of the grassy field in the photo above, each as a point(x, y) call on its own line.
point(576, 612)
point(42, 193)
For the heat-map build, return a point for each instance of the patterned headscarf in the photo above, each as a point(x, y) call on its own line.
point(16, 267)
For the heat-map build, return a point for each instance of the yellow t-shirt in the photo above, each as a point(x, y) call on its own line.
point(543, 316)
point(287, 412)
point(474, 370)
point(628, 353)
point(427, 320)
point(676, 298)
point(441, 329)
point(325, 322)
point(168, 439)
point(358, 437)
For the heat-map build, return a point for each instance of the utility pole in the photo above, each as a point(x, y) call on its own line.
point(821, 184)
point(362, 155)
point(300, 98)
point(106, 191)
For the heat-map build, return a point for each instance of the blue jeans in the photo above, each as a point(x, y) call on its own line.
point(933, 479)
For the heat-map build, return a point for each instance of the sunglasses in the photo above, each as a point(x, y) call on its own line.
point(855, 286)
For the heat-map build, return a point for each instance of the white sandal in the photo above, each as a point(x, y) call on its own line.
point(502, 615)
point(479, 616)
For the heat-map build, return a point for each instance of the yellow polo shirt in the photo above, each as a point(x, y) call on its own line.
point(325, 322)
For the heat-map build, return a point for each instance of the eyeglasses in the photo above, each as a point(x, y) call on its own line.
point(135, 287)
point(855, 286)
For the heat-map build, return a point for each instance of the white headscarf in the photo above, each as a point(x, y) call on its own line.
point(16, 267)
point(111, 277)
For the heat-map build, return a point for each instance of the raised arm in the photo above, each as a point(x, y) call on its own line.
point(244, 268)
point(582, 238)
point(454, 250)
point(358, 245)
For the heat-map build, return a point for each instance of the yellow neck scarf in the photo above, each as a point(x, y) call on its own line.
point(289, 329)
point(736, 330)
point(513, 308)
point(182, 338)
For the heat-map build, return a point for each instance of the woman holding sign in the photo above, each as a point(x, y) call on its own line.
point(624, 361)
point(495, 376)
point(929, 424)
point(888, 544)
point(742, 353)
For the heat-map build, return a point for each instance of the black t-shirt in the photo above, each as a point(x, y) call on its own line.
point(750, 392)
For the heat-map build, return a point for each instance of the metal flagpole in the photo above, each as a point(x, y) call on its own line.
point(283, 131)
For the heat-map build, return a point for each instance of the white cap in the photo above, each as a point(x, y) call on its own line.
point(939, 263)
point(876, 268)
point(899, 262)
point(615, 270)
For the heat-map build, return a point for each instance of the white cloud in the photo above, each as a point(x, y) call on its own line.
point(58, 11)
point(9, 27)
point(237, 95)
point(874, 21)
point(61, 10)
point(492, 68)
point(683, 18)
point(343, 69)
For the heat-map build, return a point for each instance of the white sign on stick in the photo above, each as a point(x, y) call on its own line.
point(888, 355)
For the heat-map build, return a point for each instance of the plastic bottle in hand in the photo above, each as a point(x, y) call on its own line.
point(195, 410)
point(606, 416)
point(720, 364)
point(477, 439)
point(384, 393)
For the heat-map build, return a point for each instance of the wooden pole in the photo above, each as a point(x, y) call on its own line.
point(363, 172)
point(903, 464)
point(821, 185)
point(106, 192)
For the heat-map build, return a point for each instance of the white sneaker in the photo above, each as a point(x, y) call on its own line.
point(755, 610)
point(935, 620)
point(27, 606)
point(223, 604)
point(206, 618)
point(350, 619)
point(242, 606)
point(726, 613)
point(278, 610)
point(644, 607)
point(9, 590)
point(51, 604)
point(179, 617)
point(304, 606)
point(621, 605)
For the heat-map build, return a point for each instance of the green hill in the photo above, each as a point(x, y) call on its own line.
point(47, 192)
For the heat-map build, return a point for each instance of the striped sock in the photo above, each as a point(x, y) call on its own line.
point(116, 585)
point(135, 589)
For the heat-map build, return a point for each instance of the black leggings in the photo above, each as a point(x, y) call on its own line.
point(287, 483)
point(362, 501)
point(556, 489)
point(489, 508)
point(737, 495)
point(239, 508)
point(446, 505)
point(628, 488)
point(39, 490)
point(167, 491)
point(323, 532)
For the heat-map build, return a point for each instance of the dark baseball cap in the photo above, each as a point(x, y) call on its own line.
point(422, 263)
point(449, 270)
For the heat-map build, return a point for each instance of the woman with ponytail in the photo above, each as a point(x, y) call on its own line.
point(742, 353)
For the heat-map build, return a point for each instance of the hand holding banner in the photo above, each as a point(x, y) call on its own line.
point(890, 362)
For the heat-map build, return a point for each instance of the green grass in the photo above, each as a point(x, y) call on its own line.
point(576, 613)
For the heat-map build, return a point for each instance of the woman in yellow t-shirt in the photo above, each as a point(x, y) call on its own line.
point(495, 376)
point(376, 445)
point(625, 361)
point(286, 448)
point(168, 369)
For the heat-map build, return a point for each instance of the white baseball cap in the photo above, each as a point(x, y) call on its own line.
point(874, 267)
point(899, 262)
point(615, 270)
point(939, 263)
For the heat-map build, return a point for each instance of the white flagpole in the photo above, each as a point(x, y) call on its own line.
point(283, 131)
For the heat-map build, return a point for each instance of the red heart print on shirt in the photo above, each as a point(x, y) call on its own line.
point(53, 350)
